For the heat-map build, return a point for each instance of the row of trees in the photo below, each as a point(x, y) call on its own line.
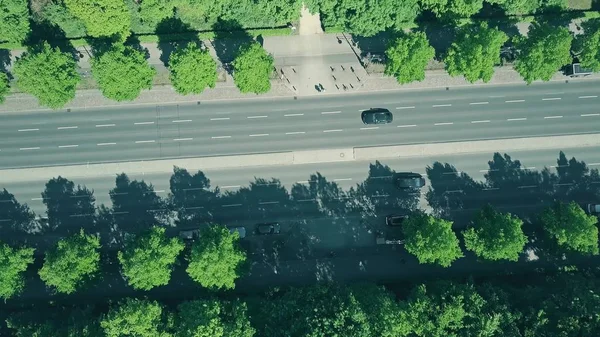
point(477, 49)
point(122, 72)
point(147, 260)
point(119, 18)
point(564, 305)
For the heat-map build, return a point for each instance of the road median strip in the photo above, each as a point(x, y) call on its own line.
point(302, 157)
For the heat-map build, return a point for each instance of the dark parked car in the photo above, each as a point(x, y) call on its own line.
point(409, 180)
point(395, 220)
point(268, 228)
point(377, 116)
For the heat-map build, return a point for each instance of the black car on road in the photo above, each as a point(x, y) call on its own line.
point(409, 180)
point(377, 116)
point(268, 228)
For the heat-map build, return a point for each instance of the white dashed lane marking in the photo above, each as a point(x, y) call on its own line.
point(144, 141)
point(440, 105)
point(182, 121)
point(254, 117)
point(67, 146)
point(483, 121)
point(143, 123)
point(259, 135)
point(182, 139)
point(106, 144)
point(551, 99)
point(445, 123)
point(516, 119)
point(29, 148)
point(404, 107)
point(515, 101)
point(407, 126)
point(337, 130)
point(370, 128)
point(220, 137)
point(295, 133)
point(231, 186)
point(293, 115)
point(553, 117)
point(592, 96)
point(28, 130)
point(104, 125)
point(590, 115)
point(66, 127)
point(478, 103)
point(330, 112)
point(220, 119)
point(343, 179)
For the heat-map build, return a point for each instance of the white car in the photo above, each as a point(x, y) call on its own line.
point(593, 208)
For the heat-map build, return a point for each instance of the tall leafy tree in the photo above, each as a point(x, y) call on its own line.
point(201, 318)
point(16, 216)
point(14, 20)
point(48, 74)
point(495, 235)
point(73, 261)
point(590, 46)
point(216, 258)
point(475, 52)
point(543, 52)
point(4, 87)
point(382, 310)
point(252, 69)
point(148, 260)
point(453, 9)
point(154, 11)
point(13, 263)
point(134, 317)
point(102, 18)
point(431, 239)
point(69, 207)
point(518, 7)
point(192, 69)
point(236, 319)
point(122, 72)
point(408, 56)
point(571, 227)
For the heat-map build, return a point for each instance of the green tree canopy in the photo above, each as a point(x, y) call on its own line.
point(366, 18)
point(543, 52)
point(495, 235)
point(48, 74)
point(453, 9)
point(518, 7)
point(13, 263)
point(155, 11)
point(216, 258)
point(431, 239)
point(102, 18)
point(252, 69)
point(148, 260)
point(14, 20)
point(408, 56)
point(475, 52)
point(200, 319)
point(73, 261)
point(122, 73)
point(135, 318)
point(4, 87)
point(192, 69)
point(381, 309)
point(571, 227)
point(589, 57)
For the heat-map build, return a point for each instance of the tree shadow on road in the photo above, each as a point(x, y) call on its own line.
point(70, 208)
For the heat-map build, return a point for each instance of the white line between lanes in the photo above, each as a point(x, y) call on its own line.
point(37, 199)
point(220, 119)
point(478, 103)
point(591, 96)
point(295, 133)
point(404, 107)
point(337, 130)
point(143, 123)
point(330, 112)
point(220, 137)
point(343, 179)
point(293, 115)
point(407, 126)
point(370, 128)
point(66, 127)
point(516, 119)
point(445, 123)
point(515, 101)
point(182, 139)
point(28, 130)
point(593, 164)
point(483, 121)
point(551, 99)
point(231, 186)
point(104, 125)
point(552, 117)
point(182, 121)
point(105, 144)
point(67, 146)
point(440, 105)
point(253, 117)
point(259, 135)
point(29, 148)
point(302, 182)
point(144, 141)
point(589, 115)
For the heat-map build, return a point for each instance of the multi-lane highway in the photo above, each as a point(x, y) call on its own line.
point(344, 174)
point(146, 132)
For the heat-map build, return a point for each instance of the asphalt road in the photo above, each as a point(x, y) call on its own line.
point(252, 126)
point(345, 174)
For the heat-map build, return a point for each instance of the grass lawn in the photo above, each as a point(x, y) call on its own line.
point(580, 4)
